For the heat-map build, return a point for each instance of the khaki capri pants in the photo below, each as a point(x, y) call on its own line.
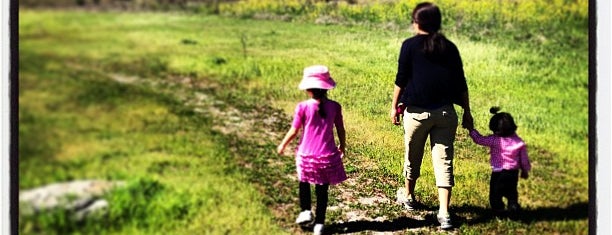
point(440, 125)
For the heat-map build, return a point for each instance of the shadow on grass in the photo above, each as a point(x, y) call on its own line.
point(398, 224)
point(478, 215)
point(528, 215)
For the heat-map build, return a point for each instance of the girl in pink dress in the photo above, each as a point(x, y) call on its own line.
point(508, 156)
point(318, 160)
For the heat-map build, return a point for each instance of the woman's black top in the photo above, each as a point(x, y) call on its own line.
point(429, 80)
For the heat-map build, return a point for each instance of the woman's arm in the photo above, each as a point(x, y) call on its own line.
point(463, 98)
point(397, 92)
point(404, 73)
point(467, 120)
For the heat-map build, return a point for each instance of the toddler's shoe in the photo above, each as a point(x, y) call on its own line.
point(498, 213)
point(514, 207)
point(514, 211)
point(304, 217)
point(318, 229)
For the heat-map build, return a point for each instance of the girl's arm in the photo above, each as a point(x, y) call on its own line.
point(288, 138)
point(481, 140)
point(295, 126)
point(339, 123)
point(525, 164)
point(342, 139)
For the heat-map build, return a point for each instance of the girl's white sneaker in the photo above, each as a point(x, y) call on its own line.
point(304, 217)
point(318, 229)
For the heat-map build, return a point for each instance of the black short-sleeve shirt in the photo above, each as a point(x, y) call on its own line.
point(429, 80)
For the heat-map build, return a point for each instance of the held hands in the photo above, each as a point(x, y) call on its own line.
point(468, 120)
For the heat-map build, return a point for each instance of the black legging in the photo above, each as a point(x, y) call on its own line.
point(503, 184)
point(305, 200)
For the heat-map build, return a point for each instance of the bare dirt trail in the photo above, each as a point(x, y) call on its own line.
point(356, 206)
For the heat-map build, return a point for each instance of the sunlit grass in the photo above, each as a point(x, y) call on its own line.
point(79, 125)
point(84, 122)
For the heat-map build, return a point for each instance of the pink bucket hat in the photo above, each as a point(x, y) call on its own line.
point(317, 76)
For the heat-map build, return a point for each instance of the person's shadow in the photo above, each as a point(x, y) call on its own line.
point(397, 224)
point(527, 215)
point(478, 215)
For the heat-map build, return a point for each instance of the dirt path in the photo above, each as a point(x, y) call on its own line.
point(357, 206)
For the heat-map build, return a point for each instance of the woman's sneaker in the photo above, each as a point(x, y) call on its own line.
point(445, 221)
point(412, 205)
point(318, 229)
point(304, 217)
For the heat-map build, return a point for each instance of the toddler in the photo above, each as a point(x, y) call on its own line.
point(318, 160)
point(508, 156)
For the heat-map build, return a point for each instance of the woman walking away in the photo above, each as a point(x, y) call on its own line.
point(508, 156)
point(429, 81)
point(318, 160)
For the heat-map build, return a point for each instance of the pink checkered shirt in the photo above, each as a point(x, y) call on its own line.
point(507, 153)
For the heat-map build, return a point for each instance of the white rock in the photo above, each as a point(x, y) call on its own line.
point(401, 195)
point(72, 196)
point(97, 208)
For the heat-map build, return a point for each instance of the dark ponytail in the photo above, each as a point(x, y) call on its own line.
point(321, 96)
point(501, 124)
point(429, 18)
point(434, 44)
point(494, 110)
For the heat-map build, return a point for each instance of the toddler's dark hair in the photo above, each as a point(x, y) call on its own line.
point(501, 124)
point(321, 95)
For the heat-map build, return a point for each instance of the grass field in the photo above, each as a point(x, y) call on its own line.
point(191, 107)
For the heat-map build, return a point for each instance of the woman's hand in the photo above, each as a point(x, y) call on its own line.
point(393, 115)
point(468, 120)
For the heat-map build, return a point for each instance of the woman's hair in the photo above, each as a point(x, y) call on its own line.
point(501, 124)
point(321, 95)
point(427, 15)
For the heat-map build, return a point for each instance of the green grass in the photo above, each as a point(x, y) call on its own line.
point(77, 123)
point(74, 119)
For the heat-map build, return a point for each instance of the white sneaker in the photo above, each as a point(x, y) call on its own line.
point(318, 229)
point(304, 217)
point(445, 221)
